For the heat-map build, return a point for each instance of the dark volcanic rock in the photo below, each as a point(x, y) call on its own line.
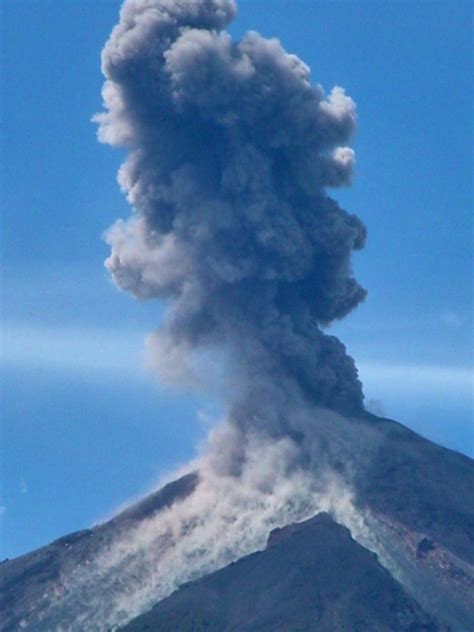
point(312, 577)
point(421, 485)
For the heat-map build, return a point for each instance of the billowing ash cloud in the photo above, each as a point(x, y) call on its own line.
point(230, 152)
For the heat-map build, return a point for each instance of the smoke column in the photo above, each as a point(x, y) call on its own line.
point(230, 151)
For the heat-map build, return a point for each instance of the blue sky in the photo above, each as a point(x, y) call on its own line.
point(84, 426)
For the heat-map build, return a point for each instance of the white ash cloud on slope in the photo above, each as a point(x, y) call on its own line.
point(225, 518)
point(231, 150)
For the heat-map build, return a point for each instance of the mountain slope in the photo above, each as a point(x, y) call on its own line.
point(311, 577)
point(422, 485)
point(414, 496)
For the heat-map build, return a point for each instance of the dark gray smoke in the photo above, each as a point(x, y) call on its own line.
point(230, 152)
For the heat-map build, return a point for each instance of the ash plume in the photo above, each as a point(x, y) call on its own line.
point(231, 149)
point(230, 152)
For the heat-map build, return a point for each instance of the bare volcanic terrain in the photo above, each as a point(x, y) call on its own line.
point(416, 502)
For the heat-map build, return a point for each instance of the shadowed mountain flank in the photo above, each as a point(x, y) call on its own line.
point(422, 485)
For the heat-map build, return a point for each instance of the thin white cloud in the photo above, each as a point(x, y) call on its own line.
point(453, 319)
point(403, 378)
point(68, 349)
point(122, 351)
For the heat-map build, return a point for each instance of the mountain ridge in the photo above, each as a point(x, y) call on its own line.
point(416, 496)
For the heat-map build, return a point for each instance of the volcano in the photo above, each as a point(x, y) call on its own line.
point(415, 496)
point(302, 511)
